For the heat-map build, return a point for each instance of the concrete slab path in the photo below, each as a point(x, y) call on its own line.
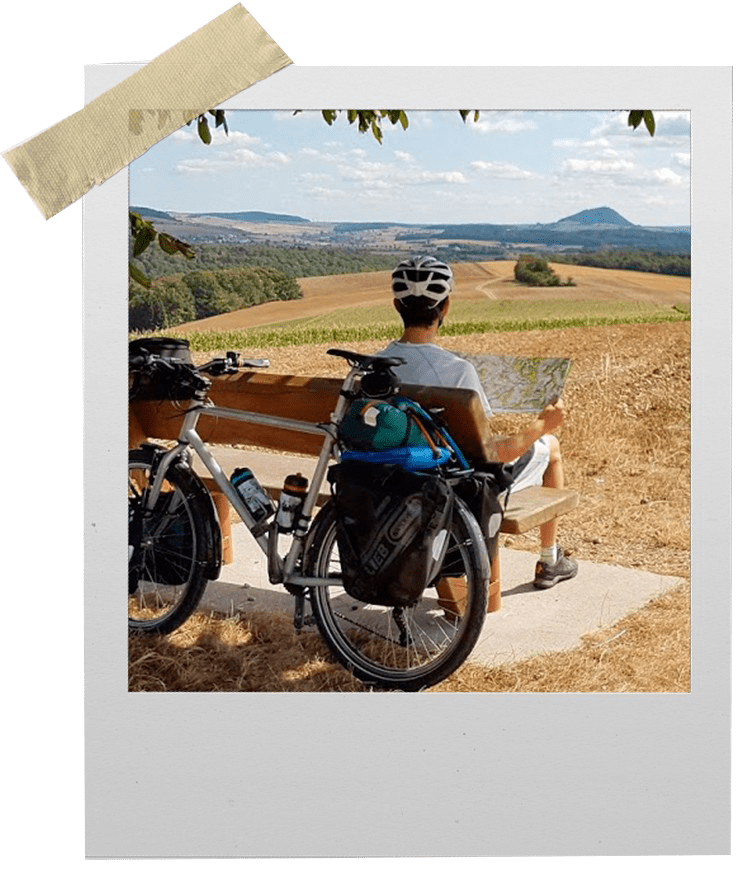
point(530, 622)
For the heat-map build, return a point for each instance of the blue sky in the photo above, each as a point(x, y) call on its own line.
point(509, 167)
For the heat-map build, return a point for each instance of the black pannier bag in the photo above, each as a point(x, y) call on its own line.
point(484, 494)
point(160, 381)
point(392, 530)
point(485, 491)
point(165, 347)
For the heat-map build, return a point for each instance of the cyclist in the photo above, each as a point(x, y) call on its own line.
point(421, 290)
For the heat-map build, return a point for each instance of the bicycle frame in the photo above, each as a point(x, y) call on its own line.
point(280, 570)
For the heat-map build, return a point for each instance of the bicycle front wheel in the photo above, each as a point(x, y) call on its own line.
point(405, 649)
point(168, 547)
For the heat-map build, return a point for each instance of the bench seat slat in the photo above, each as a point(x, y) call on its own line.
point(535, 505)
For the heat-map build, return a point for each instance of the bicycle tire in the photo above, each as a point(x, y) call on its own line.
point(366, 639)
point(170, 548)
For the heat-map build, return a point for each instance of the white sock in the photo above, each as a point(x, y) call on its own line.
point(549, 555)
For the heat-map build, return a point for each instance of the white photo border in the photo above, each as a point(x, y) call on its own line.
point(363, 775)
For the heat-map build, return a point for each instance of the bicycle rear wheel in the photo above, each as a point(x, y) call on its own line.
point(405, 649)
point(169, 546)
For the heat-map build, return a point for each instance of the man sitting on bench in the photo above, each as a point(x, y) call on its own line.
point(421, 290)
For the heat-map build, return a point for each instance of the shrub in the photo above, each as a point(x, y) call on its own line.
point(533, 270)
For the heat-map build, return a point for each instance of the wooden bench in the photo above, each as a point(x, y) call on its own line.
point(313, 399)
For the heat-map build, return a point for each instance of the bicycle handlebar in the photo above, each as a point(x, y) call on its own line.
point(215, 366)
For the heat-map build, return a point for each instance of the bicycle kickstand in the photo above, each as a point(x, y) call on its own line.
point(300, 594)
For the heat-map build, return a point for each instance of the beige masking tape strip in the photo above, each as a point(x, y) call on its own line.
point(220, 60)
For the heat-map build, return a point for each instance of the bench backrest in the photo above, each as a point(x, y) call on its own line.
point(302, 398)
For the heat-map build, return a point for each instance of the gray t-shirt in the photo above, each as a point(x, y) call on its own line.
point(428, 364)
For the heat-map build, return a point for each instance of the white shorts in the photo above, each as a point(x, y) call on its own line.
point(534, 471)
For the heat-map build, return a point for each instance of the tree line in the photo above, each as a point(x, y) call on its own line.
point(295, 262)
point(625, 259)
point(173, 300)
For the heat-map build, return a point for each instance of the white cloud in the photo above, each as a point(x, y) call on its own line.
point(197, 165)
point(504, 122)
point(671, 128)
point(674, 124)
point(224, 160)
point(666, 176)
point(618, 166)
point(277, 158)
point(600, 143)
point(397, 175)
point(236, 137)
point(682, 159)
point(310, 178)
point(242, 156)
point(184, 134)
point(500, 170)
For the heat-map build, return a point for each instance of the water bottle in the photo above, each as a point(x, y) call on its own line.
point(255, 498)
point(291, 501)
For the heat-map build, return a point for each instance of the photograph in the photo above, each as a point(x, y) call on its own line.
point(410, 402)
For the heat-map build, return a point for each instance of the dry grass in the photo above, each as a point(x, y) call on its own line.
point(647, 651)
point(626, 442)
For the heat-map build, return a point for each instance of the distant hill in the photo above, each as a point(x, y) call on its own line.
point(255, 216)
point(152, 214)
point(602, 215)
point(588, 230)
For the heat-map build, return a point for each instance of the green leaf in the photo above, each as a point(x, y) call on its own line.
point(351, 115)
point(330, 115)
point(138, 276)
point(634, 118)
point(377, 132)
point(183, 248)
point(649, 120)
point(204, 131)
point(221, 120)
point(403, 118)
point(143, 237)
point(168, 244)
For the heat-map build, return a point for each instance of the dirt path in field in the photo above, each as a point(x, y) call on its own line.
point(491, 279)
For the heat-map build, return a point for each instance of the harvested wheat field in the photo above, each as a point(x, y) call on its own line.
point(490, 280)
point(626, 444)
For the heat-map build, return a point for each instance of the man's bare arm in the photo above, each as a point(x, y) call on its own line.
point(510, 448)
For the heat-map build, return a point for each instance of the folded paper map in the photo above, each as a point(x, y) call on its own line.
point(520, 384)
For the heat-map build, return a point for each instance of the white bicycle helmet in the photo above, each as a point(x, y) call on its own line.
point(423, 276)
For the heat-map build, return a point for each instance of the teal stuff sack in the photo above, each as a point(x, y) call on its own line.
point(375, 425)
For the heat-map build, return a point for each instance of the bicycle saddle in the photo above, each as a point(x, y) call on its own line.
point(366, 362)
